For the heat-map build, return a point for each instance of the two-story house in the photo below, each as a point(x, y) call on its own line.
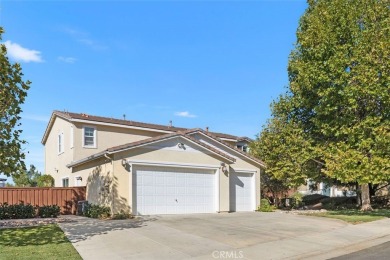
point(151, 169)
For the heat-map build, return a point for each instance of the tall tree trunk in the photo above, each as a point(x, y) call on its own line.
point(358, 195)
point(366, 204)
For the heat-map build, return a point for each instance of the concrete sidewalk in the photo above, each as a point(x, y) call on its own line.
point(218, 236)
point(326, 245)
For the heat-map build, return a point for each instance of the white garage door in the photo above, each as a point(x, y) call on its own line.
point(164, 190)
point(241, 192)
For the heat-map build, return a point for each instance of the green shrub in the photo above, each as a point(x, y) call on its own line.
point(337, 203)
point(97, 211)
point(51, 211)
point(265, 206)
point(297, 200)
point(122, 215)
point(20, 211)
point(313, 199)
point(17, 211)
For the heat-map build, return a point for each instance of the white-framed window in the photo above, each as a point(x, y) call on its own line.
point(65, 182)
point(89, 137)
point(243, 148)
point(60, 143)
point(71, 137)
point(77, 180)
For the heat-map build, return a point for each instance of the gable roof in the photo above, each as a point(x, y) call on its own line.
point(215, 138)
point(80, 117)
point(160, 138)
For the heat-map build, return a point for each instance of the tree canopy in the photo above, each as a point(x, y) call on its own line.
point(13, 91)
point(33, 178)
point(334, 120)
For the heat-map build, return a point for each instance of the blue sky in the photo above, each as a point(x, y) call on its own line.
point(201, 63)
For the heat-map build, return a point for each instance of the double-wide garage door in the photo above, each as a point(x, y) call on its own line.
point(167, 190)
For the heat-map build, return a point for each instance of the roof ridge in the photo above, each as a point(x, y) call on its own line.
point(85, 116)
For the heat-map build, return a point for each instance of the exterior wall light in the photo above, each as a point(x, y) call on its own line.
point(223, 167)
point(124, 162)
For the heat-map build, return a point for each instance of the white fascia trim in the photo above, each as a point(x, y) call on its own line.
point(253, 191)
point(227, 139)
point(118, 125)
point(172, 137)
point(217, 194)
point(48, 128)
point(245, 170)
point(173, 164)
point(258, 163)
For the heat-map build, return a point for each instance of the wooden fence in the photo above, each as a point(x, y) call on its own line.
point(65, 198)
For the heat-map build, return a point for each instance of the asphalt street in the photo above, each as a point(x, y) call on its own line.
point(378, 252)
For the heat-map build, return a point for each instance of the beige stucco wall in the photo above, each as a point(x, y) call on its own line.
point(240, 165)
point(98, 176)
point(121, 196)
point(98, 173)
point(195, 157)
point(107, 136)
point(55, 164)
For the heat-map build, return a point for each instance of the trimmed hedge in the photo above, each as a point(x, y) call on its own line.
point(20, 211)
point(51, 211)
point(97, 211)
point(265, 206)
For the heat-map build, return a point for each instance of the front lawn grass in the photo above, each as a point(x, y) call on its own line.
point(42, 242)
point(354, 216)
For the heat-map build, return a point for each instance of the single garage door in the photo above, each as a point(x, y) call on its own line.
point(167, 190)
point(241, 191)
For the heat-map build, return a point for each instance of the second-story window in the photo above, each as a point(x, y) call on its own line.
point(89, 137)
point(243, 148)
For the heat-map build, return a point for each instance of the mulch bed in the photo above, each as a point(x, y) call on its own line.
point(31, 222)
point(303, 211)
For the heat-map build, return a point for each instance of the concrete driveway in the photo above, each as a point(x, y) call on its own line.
point(219, 236)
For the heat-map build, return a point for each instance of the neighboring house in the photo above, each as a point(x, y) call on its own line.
point(323, 189)
point(151, 169)
point(2, 182)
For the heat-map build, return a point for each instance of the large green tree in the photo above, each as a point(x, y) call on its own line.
point(13, 91)
point(32, 178)
point(338, 102)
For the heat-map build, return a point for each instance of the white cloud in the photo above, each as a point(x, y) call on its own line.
point(184, 114)
point(85, 39)
point(19, 53)
point(67, 59)
point(38, 118)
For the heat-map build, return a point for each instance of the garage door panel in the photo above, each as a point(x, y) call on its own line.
point(167, 190)
point(241, 191)
point(160, 189)
point(160, 180)
point(170, 190)
point(191, 191)
point(180, 191)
